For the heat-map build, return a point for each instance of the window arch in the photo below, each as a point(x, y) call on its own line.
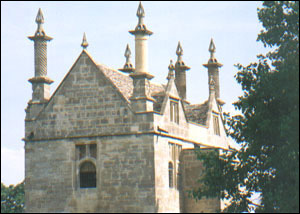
point(87, 175)
point(171, 172)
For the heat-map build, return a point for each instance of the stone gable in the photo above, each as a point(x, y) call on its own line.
point(85, 103)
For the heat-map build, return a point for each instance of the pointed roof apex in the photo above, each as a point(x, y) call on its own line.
point(140, 11)
point(84, 43)
point(128, 67)
point(179, 50)
point(39, 17)
point(127, 51)
point(212, 47)
point(171, 66)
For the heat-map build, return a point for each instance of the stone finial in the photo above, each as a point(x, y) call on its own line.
point(212, 62)
point(40, 21)
point(212, 47)
point(179, 51)
point(84, 43)
point(39, 18)
point(127, 53)
point(128, 67)
point(171, 70)
point(141, 27)
point(180, 63)
point(212, 50)
point(141, 14)
point(40, 32)
point(140, 11)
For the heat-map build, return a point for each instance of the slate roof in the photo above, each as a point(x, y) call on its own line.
point(124, 83)
point(121, 81)
point(197, 113)
point(159, 97)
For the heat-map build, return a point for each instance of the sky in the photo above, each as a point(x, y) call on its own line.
point(234, 27)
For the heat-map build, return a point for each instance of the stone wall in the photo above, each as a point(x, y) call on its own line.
point(167, 199)
point(125, 176)
point(192, 169)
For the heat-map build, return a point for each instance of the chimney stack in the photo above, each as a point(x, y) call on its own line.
point(141, 99)
point(180, 73)
point(40, 82)
point(213, 69)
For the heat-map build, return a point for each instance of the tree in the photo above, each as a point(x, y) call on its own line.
point(268, 129)
point(12, 198)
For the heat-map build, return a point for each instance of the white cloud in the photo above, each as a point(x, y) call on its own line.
point(12, 165)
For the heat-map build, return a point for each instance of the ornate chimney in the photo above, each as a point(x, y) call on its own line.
point(40, 82)
point(213, 69)
point(180, 73)
point(141, 99)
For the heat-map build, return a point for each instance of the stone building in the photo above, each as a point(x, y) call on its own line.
point(115, 141)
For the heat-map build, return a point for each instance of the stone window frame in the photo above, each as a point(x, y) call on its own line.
point(87, 151)
point(88, 157)
point(174, 110)
point(216, 124)
point(171, 174)
point(174, 154)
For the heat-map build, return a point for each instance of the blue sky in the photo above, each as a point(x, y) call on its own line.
point(233, 26)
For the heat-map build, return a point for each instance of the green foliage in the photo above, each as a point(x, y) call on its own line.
point(268, 129)
point(12, 198)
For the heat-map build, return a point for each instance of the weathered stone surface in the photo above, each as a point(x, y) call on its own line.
point(125, 178)
point(125, 127)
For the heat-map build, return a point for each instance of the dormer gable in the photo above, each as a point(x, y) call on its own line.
point(215, 123)
point(172, 106)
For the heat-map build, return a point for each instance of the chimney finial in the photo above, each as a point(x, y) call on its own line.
point(180, 63)
point(128, 67)
point(179, 50)
point(212, 50)
point(141, 27)
point(140, 11)
point(84, 43)
point(40, 21)
point(127, 53)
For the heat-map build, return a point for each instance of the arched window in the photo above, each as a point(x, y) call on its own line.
point(171, 171)
point(87, 175)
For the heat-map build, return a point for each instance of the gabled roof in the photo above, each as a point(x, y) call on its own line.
point(197, 113)
point(124, 83)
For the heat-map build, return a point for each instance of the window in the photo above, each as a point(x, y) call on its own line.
point(87, 175)
point(174, 153)
point(81, 151)
point(171, 171)
point(216, 125)
point(93, 150)
point(87, 150)
point(174, 111)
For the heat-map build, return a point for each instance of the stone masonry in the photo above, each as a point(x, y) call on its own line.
point(115, 141)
